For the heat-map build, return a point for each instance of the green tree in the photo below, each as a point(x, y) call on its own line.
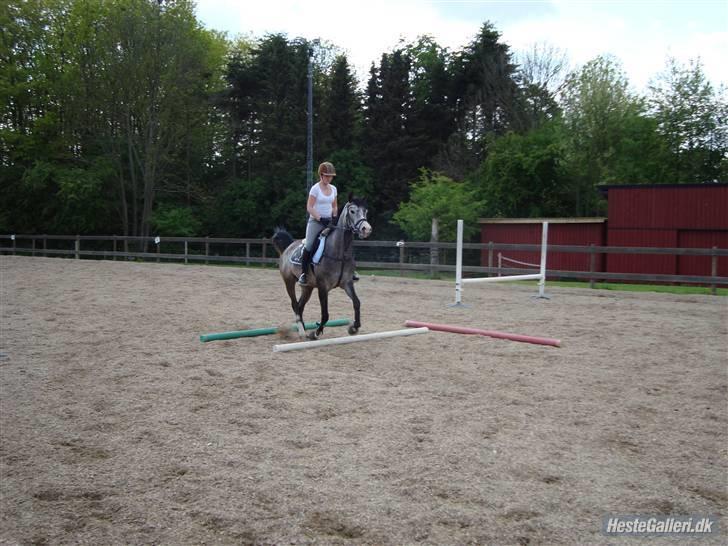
point(389, 147)
point(597, 104)
point(267, 105)
point(434, 195)
point(175, 221)
point(486, 79)
point(432, 120)
point(525, 176)
point(341, 115)
point(542, 72)
point(693, 118)
point(114, 106)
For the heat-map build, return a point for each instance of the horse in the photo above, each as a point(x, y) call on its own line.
point(335, 269)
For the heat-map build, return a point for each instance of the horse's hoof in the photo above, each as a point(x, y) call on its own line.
point(353, 330)
point(313, 336)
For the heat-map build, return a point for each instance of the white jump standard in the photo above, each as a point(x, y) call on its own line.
point(344, 340)
point(459, 281)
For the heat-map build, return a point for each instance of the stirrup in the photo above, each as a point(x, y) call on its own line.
point(354, 277)
point(302, 279)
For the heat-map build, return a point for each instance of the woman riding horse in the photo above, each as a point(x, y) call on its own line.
point(335, 268)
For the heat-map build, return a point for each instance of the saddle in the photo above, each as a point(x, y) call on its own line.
point(317, 251)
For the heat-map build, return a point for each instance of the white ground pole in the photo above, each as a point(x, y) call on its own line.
point(343, 340)
point(540, 276)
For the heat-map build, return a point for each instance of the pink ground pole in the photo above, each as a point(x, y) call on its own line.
point(489, 333)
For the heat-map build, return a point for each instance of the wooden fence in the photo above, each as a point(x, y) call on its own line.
point(401, 256)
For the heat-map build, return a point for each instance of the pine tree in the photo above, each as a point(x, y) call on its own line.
point(389, 149)
point(342, 110)
point(485, 90)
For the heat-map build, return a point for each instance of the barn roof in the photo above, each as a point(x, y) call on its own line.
point(606, 187)
point(586, 220)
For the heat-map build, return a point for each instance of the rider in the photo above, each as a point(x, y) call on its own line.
point(321, 208)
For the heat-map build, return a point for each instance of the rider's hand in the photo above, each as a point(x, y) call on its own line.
point(324, 221)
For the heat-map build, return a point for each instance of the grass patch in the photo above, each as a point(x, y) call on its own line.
point(662, 288)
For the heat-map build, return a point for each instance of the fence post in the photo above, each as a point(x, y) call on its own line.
point(158, 242)
point(247, 253)
point(400, 244)
point(592, 264)
point(490, 257)
point(12, 238)
point(78, 247)
point(265, 252)
point(185, 252)
point(713, 269)
point(434, 251)
point(32, 246)
point(113, 254)
point(207, 249)
point(45, 245)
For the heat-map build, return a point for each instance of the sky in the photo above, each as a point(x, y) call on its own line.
point(642, 34)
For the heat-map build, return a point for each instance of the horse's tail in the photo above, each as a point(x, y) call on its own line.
point(281, 239)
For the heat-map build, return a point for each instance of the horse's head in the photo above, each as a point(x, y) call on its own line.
point(354, 217)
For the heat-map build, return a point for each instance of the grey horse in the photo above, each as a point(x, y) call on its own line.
point(336, 267)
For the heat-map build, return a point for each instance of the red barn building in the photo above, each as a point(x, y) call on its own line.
point(660, 215)
point(667, 215)
point(562, 231)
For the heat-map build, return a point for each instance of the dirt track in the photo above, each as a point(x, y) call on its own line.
point(119, 426)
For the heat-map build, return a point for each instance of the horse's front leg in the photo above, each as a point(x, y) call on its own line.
point(349, 289)
point(305, 296)
point(324, 301)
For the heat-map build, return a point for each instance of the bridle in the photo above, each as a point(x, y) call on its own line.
point(348, 226)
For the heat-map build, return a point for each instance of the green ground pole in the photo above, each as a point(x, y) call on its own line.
point(266, 331)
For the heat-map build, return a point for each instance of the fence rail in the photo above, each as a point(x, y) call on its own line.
point(406, 256)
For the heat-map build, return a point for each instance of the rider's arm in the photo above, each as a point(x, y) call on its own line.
point(311, 207)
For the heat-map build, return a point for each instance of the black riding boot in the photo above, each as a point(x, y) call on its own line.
point(305, 262)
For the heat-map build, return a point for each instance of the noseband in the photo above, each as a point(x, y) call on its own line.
point(358, 224)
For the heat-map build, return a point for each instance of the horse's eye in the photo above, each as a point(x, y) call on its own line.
point(351, 212)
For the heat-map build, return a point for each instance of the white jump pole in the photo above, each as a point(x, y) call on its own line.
point(530, 277)
point(542, 271)
point(343, 340)
point(459, 267)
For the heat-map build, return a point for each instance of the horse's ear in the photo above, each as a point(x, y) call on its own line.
point(351, 196)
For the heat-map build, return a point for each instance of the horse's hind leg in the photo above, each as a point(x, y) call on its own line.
point(324, 301)
point(349, 289)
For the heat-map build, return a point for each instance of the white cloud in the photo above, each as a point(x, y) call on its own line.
point(365, 30)
point(642, 46)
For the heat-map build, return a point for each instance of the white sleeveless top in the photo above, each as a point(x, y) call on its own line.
point(323, 202)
